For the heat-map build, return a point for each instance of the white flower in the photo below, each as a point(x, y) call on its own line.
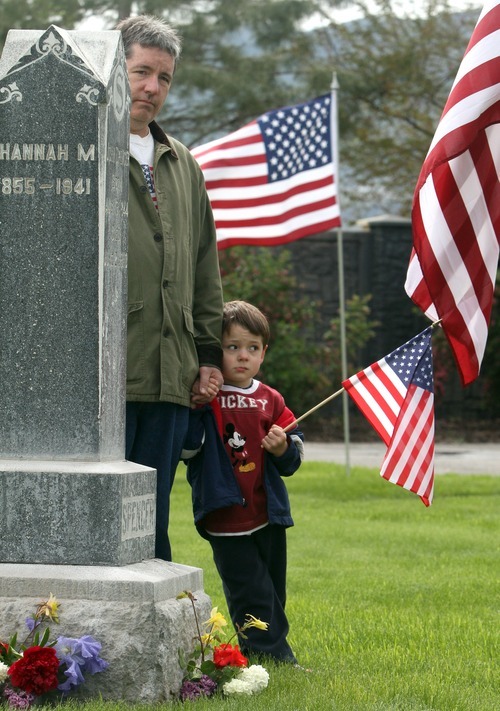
point(249, 681)
point(237, 686)
point(256, 676)
point(3, 672)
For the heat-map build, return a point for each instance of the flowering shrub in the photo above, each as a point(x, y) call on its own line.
point(218, 666)
point(37, 665)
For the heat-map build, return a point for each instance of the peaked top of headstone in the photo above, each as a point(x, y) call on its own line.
point(92, 52)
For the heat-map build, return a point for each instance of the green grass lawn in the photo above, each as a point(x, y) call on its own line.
point(391, 604)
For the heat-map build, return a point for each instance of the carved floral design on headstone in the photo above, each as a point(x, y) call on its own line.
point(11, 91)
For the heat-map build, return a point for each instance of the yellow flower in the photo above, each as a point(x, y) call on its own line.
point(205, 639)
point(251, 621)
point(48, 608)
point(217, 620)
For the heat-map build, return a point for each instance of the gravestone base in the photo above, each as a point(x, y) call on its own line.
point(131, 610)
point(77, 513)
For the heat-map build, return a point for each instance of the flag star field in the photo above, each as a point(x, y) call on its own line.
point(297, 138)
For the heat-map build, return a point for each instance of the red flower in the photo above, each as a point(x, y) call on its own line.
point(36, 671)
point(4, 649)
point(225, 655)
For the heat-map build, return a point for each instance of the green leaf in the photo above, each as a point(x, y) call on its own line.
point(45, 637)
point(228, 673)
point(208, 667)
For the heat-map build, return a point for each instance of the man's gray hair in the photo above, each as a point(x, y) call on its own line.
point(150, 31)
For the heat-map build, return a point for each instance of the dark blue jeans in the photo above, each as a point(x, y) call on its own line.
point(155, 434)
point(253, 573)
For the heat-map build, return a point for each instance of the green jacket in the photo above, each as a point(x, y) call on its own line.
point(174, 287)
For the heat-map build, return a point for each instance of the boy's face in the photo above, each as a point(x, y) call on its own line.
point(243, 353)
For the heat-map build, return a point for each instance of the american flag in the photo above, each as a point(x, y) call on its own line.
point(273, 181)
point(456, 207)
point(396, 395)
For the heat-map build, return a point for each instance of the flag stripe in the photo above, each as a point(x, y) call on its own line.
point(257, 197)
point(407, 427)
point(245, 135)
point(415, 441)
point(416, 286)
point(272, 181)
point(285, 228)
point(459, 128)
point(378, 396)
point(270, 216)
point(456, 209)
point(461, 276)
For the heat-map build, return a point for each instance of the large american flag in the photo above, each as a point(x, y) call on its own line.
point(273, 181)
point(456, 208)
point(396, 395)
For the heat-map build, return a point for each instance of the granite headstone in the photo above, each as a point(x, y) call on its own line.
point(63, 220)
point(64, 127)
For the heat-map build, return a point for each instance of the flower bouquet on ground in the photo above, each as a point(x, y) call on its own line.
point(37, 665)
point(218, 666)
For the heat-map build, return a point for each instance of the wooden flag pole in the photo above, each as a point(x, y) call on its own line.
point(313, 409)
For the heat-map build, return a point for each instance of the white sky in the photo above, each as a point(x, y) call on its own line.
point(407, 7)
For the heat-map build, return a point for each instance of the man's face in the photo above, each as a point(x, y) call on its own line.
point(150, 73)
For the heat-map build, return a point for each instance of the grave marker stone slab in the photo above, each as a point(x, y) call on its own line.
point(63, 222)
point(64, 131)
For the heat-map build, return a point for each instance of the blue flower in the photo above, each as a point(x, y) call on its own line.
point(79, 656)
point(30, 623)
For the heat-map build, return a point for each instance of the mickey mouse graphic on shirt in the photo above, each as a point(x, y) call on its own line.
point(239, 454)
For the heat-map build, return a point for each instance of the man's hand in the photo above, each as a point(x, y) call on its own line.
point(206, 386)
point(275, 441)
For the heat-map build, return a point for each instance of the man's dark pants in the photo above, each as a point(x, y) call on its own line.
point(155, 433)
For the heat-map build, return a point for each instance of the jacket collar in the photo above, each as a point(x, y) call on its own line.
point(159, 135)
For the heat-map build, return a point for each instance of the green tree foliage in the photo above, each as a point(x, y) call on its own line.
point(360, 329)
point(395, 73)
point(305, 368)
point(295, 361)
point(239, 60)
point(39, 14)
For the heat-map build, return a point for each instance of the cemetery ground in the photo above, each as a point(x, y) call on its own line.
point(392, 605)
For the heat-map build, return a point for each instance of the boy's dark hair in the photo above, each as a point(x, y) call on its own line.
point(150, 31)
point(247, 316)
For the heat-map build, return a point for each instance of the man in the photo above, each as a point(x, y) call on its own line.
point(174, 290)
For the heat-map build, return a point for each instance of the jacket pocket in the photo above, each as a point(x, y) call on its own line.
point(135, 342)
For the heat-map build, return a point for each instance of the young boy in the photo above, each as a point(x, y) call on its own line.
point(240, 501)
